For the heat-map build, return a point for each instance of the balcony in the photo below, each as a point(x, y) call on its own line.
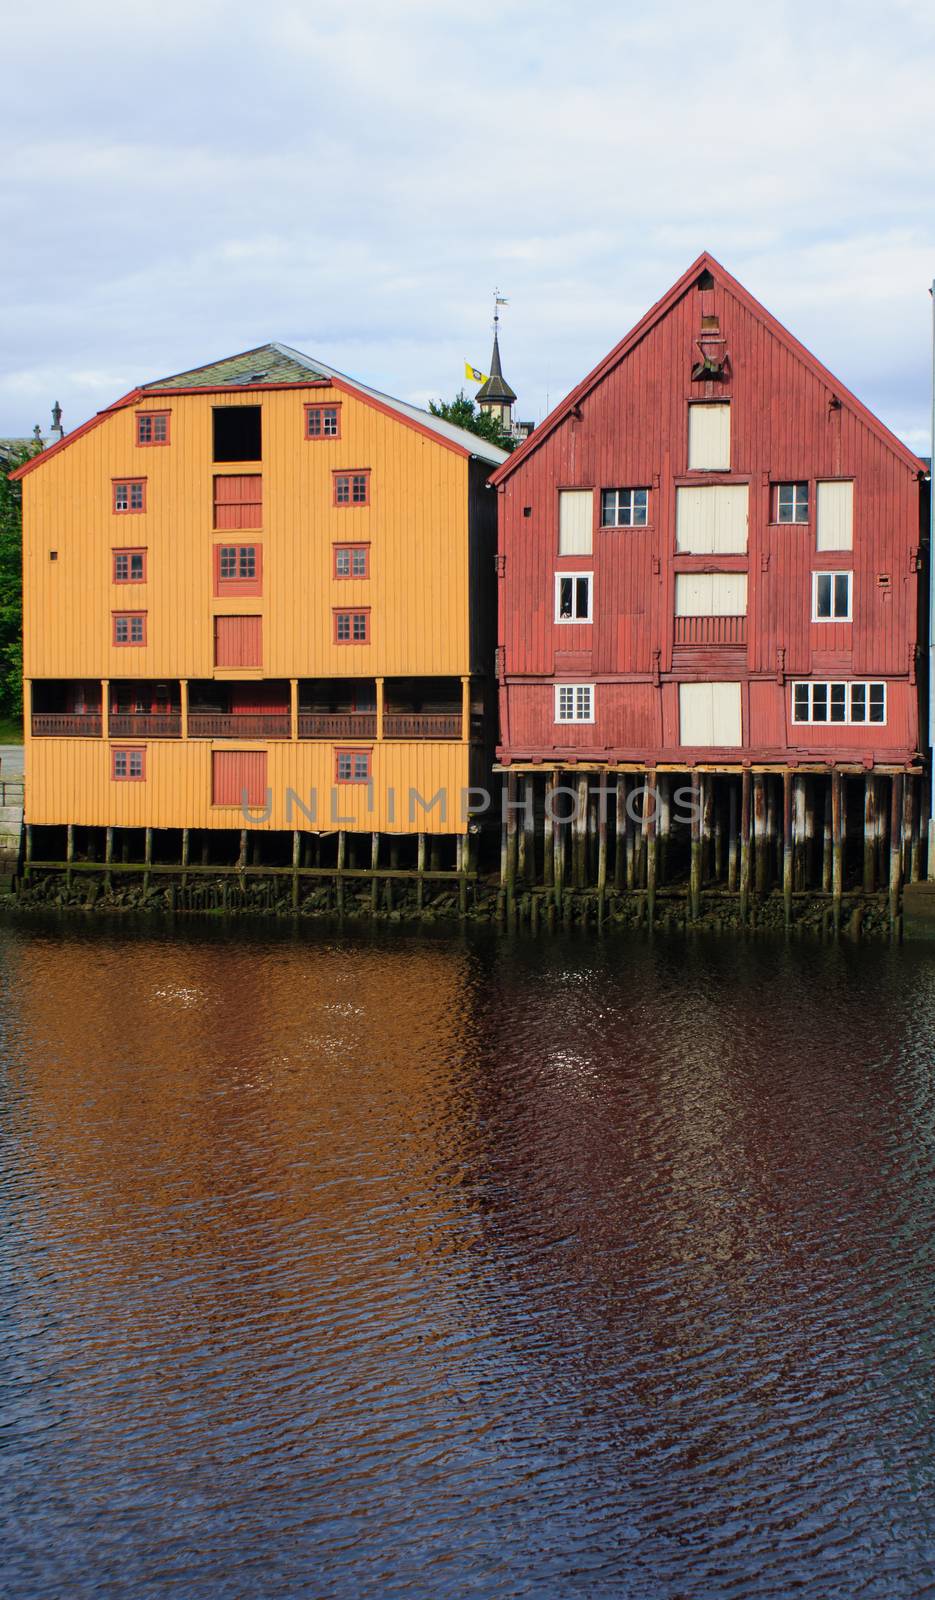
point(710, 630)
point(66, 725)
point(239, 725)
point(337, 725)
point(145, 724)
point(422, 725)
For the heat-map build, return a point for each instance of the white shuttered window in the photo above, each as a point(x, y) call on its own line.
point(835, 516)
point(575, 521)
point(712, 520)
point(709, 438)
point(711, 594)
point(709, 714)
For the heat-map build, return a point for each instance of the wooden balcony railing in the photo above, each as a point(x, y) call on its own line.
point(239, 725)
point(66, 725)
point(421, 725)
point(711, 630)
point(337, 725)
point(145, 724)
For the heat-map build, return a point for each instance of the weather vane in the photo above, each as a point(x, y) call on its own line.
point(498, 300)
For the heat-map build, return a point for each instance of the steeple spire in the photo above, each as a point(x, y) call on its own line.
point(496, 396)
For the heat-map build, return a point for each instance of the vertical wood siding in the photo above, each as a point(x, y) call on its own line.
point(238, 777)
point(238, 641)
point(632, 430)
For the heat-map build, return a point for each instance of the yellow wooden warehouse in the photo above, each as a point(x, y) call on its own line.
point(258, 584)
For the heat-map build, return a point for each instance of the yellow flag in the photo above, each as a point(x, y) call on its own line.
point(473, 375)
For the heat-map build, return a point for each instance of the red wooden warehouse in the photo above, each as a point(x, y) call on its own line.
point(709, 561)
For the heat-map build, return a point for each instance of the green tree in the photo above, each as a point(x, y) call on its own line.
point(11, 583)
point(464, 414)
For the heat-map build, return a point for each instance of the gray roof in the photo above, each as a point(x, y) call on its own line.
point(280, 363)
point(496, 387)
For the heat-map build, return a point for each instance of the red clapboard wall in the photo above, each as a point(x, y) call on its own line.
point(627, 426)
point(238, 777)
point(238, 641)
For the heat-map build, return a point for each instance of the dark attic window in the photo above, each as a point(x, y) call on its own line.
point(237, 433)
point(705, 280)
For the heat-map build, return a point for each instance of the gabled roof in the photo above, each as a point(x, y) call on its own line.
point(705, 262)
point(274, 366)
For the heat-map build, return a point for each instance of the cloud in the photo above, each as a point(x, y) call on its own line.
point(184, 182)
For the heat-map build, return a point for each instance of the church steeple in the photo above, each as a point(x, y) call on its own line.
point(495, 396)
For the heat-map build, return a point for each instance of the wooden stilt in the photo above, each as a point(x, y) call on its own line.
point(837, 847)
point(148, 858)
point(760, 835)
point(420, 867)
point(69, 852)
point(630, 826)
point(548, 833)
point(915, 868)
point(511, 839)
point(826, 864)
point(461, 864)
point(339, 875)
point(581, 833)
point(896, 851)
point(527, 839)
point(787, 846)
point(374, 864)
point(109, 854)
point(870, 833)
point(696, 848)
point(882, 842)
point(707, 824)
point(663, 823)
point(561, 836)
point(774, 863)
point(296, 863)
point(649, 830)
point(798, 832)
point(719, 831)
point(811, 833)
point(908, 824)
point(186, 845)
point(733, 852)
point(745, 820)
point(620, 833)
point(601, 850)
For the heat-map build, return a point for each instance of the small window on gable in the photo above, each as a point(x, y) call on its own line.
point(129, 566)
point(129, 494)
point(323, 422)
point(127, 765)
point(352, 561)
point(573, 596)
point(352, 488)
point(790, 502)
point(238, 433)
point(352, 766)
point(152, 427)
point(624, 508)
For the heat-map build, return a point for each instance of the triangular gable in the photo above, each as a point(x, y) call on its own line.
point(705, 262)
point(268, 363)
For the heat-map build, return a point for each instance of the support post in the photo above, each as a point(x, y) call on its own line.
point(732, 841)
point(837, 848)
point(378, 688)
point(527, 841)
point(649, 830)
point(896, 851)
point(870, 833)
point(581, 833)
point(561, 836)
point(787, 846)
point(707, 824)
point(339, 876)
point(745, 809)
point(465, 710)
point(69, 852)
point(620, 833)
point(511, 842)
point(826, 873)
point(461, 865)
point(296, 863)
point(548, 834)
point(109, 856)
point(798, 832)
point(601, 849)
point(294, 710)
point(374, 864)
point(148, 859)
point(695, 871)
point(183, 705)
point(760, 839)
point(663, 823)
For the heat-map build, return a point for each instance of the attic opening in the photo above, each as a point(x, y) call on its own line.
point(704, 280)
point(237, 433)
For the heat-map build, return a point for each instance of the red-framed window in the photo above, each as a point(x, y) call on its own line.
point(238, 500)
point(323, 422)
point(353, 766)
point(129, 627)
point(351, 560)
point(152, 427)
point(238, 569)
point(129, 566)
point(352, 488)
point(128, 763)
point(352, 627)
point(129, 494)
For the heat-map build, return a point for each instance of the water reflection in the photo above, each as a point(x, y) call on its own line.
point(420, 1266)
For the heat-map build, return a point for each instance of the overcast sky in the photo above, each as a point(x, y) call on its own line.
point(188, 178)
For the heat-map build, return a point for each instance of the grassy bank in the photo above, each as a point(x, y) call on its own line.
point(11, 731)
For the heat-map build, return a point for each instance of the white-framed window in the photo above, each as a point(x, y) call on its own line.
point(831, 596)
point(574, 702)
point(573, 596)
point(839, 702)
point(624, 508)
point(790, 502)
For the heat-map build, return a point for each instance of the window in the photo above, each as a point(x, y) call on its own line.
point(238, 641)
point(839, 702)
point(129, 627)
point(352, 766)
point(238, 569)
point(831, 596)
point(238, 778)
point(129, 494)
point(238, 501)
point(709, 437)
point(710, 715)
point(238, 433)
point(835, 520)
point(624, 508)
point(712, 520)
point(574, 702)
point(322, 422)
point(127, 765)
point(575, 522)
point(352, 561)
point(152, 427)
point(129, 566)
point(573, 596)
point(790, 502)
point(352, 627)
point(352, 488)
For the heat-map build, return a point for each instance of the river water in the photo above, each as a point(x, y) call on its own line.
point(416, 1265)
